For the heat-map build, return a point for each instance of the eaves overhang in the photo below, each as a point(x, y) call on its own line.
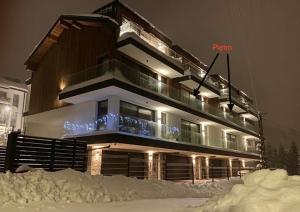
point(64, 22)
point(151, 142)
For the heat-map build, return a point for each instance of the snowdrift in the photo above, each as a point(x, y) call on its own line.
point(69, 186)
point(262, 191)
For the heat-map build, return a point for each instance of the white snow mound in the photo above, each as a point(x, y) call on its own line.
point(76, 187)
point(262, 191)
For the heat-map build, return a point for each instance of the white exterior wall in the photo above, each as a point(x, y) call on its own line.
point(51, 123)
point(11, 111)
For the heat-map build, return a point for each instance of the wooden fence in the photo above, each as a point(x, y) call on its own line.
point(46, 153)
point(2, 158)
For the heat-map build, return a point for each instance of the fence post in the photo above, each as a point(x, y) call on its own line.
point(52, 156)
point(212, 173)
point(11, 151)
point(193, 174)
point(85, 160)
point(74, 153)
point(128, 165)
point(227, 172)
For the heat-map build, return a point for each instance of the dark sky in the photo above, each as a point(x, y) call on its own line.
point(265, 35)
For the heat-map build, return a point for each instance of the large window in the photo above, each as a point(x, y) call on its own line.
point(231, 141)
point(128, 109)
point(102, 115)
point(190, 132)
point(251, 145)
point(15, 102)
point(135, 119)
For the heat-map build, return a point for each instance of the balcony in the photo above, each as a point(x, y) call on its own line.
point(242, 106)
point(138, 50)
point(115, 69)
point(149, 50)
point(142, 128)
point(192, 80)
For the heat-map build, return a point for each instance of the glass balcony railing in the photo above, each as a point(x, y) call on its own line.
point(118, 70)
point(141, 127)
point(131, 27)
point(238, 98)
point(193, 68)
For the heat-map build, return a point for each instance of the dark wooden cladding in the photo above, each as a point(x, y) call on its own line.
point(74, 51)
point(130, 164)
point(49, 154)
point(178, 168)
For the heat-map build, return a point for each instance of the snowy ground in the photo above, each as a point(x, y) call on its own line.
point(262, 191)
point(71, 191)
point(74, 191)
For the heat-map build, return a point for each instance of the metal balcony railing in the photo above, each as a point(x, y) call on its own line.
point(118, 70)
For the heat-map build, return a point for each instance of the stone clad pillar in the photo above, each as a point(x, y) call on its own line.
point(94, 160)
point(207, 167)
point(230, 167)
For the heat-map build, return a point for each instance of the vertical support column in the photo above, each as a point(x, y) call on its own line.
point(94, 160)
point(158, 121)
point(243, 164)
point(225, 139)
point(113, 110)
point(159, 166)
point(11, 151)
point(199, 168)
point(150, 165)
point(230, 167)
point(194, 166)
point(204, 134)
point(207, 167)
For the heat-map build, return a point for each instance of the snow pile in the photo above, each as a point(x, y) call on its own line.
point(262, 191)
point(72, 186)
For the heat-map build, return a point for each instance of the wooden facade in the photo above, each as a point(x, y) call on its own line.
point(74, 51)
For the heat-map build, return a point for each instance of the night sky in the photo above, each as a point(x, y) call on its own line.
point(265, 35)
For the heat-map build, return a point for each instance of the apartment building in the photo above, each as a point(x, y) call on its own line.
point(112, 79)
point(12, 105)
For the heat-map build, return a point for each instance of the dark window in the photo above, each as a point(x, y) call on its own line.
point(251, 145)
point(135, 119)
point(128, 109)
point(231, 141)
point(102, 115)
point(15, 100)
point(190, 132)
point(163, 125)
